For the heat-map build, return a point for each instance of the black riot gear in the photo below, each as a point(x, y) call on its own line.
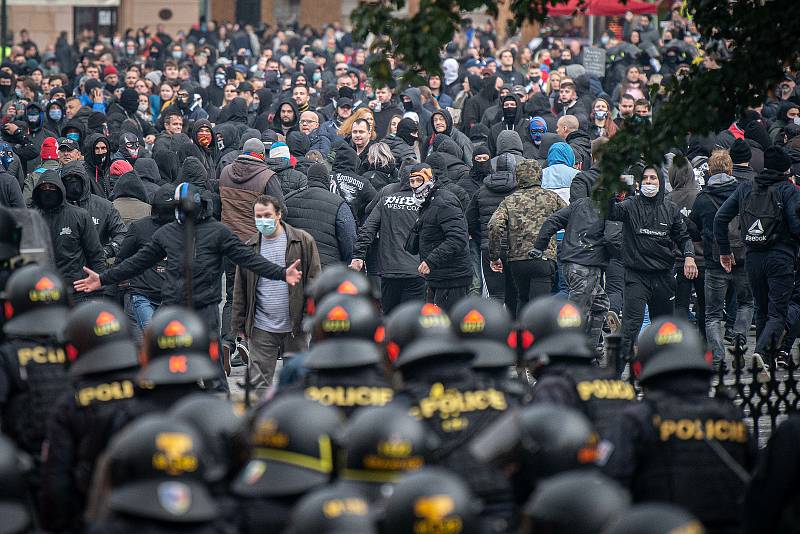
point(98, 339)
point(219, 423)
point(431, 500)
point(575, 502)
point(536, 442)
point(338, 279)
point(36, 302)
point(345, 316)
point(553, 327)
point(10, 235)
point(14, 509)
point(379, 445)
point(655, 518)
point(670, 345)
point(430, 326)
point(332, 510)
point(486, 326)
point(177, 349)
point(156, 468)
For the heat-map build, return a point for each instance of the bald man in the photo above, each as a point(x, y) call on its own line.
point(309, 125)
point(568, 127)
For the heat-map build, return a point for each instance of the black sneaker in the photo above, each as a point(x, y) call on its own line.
point(729, 336)
point(782, 360)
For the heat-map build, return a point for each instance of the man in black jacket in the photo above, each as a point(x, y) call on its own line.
point(324, 215)
point(347, 183)
point(392, 214)
point(440, 238)
point(107, 221)
point(652, 226)
point(75, 241)
point(212, 244)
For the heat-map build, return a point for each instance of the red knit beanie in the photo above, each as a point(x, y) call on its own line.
point(49, 148)
point(120, 167)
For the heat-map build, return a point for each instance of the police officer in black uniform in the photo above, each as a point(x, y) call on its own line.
point(379, 444)
point(345, 368)
point(15, 504)
point(438, 386)
point(559, 355)
point(103, 363)
point(33, 374)
point(535, 442)
point(155, 468)
point(10, 240)
point(680, 445)
point(486, 326)
point(178, 354)
point(432, 500)
point(577, 502)
point(291, 453)
point(330, 510)
point(655, 518)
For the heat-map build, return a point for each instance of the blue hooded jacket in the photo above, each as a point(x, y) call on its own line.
point(559, 172)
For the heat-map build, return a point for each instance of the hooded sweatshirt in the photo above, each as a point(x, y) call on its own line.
point(130, 198)
point(348, 183)
point(75, 241)
point(276, 120)
point(226, 140)
point(508, 142)
point(559, 172)
point(460, 139)
point(424, 115)
point(684, 193)
point(168, 166)
point(496, 186)
point(97, 168)
point(717, 190)
point(147, 170)
point(477, 173)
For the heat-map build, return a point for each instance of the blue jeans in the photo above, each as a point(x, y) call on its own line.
point(717, 284)
point(143, 309)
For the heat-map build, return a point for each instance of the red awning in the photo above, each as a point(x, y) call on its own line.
point(603, 8)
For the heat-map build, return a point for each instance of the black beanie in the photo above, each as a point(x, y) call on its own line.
point(740, 151)
point(319, 172)
point(776, 159)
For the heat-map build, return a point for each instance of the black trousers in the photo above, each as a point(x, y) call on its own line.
point(683, 296)
point(615, 284)
point(532, 278)
point(395, 291)
point(446, 297)
point(210, 315)
point(656, 289)
point(500, 285)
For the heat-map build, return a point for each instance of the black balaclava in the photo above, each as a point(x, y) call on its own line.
point(129, 100)
point(405, 128)
point(481, 169)
point(124, 139)
point(509, 114)
point(73, 185)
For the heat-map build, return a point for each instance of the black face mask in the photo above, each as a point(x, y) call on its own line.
point(73, 185)
point(482, 168)
point(408, 105)
point(509, 114)
point(164, 214)
point(48, 199)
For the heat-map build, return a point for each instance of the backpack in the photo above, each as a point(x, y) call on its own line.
point(761, 217)
point(734, 236)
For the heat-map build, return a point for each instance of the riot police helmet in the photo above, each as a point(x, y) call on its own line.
point(291, 448)
point(338, 279)
point(345, 316)
point(486, 326)
point(157, 467)
point(670, 345)
point(333, 509)
point(36, 302)
point(426, 328)
point(14, 466)
point(553, 328)
point(10, 235)
point(656, 518)
point(178, 349)
point(98, 339)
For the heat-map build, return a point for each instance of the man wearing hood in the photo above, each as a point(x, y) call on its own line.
point(130, 199)
point(456, 168)
point(560, 170)
point(440, 238)
point(37, 133)
point(719, 186)
point(481, 168)
point(496, 186)
point(652, 228)
point(442, 123)
point(788, 113)
point(286, 117)
point(770, 226)
point(484, 95)
point(74, 129)
point(105, 217)
point(324, 215)
point(346, 181)
point(507, 142)
point(190, 105)
point(129, 148)
point(54, 113)
point(50, 162)
point(75, 241)
point(144, 291)
point(511, 117)
point(280, 162)
point(147, 171)
point(97, 161)
point(202, 136)
point(226, 142)
point(439, 162)
point(392, 214)
point(411, 99)
point(516, 222)
point(537, 139)
point(125, 109)
point(405, 146)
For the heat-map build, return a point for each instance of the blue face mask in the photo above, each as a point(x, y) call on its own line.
point(536, 136)
point(74, 136)
point(55, 114)
point(266, 226)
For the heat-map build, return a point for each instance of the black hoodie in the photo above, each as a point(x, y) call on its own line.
point(50, 124)
point(460, 139)
point(226, 140)
point(106, 218)
point(168, 167)
point(147, 170)
point(262, 113)
point(348, 184)
point(498, 127)
point(208, 156)
point(75, 124)
point(276, 120)
point(97, 170)
point(496, 186)
point(482, 99)
point(438, 163)
point(75, 241)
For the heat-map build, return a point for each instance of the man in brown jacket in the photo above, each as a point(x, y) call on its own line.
point(267, 313)
point(240, 183)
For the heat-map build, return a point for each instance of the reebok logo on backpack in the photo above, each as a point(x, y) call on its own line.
point(761, 213)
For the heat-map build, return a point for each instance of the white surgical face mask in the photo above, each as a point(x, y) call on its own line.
point(649, 190)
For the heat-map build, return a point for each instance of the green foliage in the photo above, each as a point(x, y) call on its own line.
point(762, 37)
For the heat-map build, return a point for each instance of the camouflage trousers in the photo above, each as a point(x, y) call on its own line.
point(586, 289)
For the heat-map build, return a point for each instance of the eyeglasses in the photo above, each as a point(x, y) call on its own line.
point(309, 121)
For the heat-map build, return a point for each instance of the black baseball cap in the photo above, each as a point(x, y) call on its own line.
point(344, 102)
point(69, 144)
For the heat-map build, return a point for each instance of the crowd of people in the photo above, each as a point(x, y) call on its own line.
point(420, 281)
